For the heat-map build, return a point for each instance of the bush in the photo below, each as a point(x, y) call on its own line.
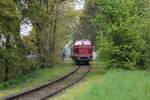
point(14, 61)
point(125, 55)
point(119, 42)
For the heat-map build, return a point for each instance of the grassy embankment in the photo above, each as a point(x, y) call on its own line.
point(113, 85)
point(33, 79)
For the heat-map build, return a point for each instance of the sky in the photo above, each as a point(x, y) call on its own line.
point(79, 4)
point(25, 28)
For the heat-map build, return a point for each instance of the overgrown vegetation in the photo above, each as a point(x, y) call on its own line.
point(12, 51)
point(34, 79)
point(122, 31)
point(50, 21)
point(116, 84)
point(119, 28)
point(120, 40)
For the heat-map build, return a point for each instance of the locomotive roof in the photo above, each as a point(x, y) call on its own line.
point(83, 42)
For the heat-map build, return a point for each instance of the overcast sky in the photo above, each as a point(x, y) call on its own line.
point(25, 29)
point(79, 4)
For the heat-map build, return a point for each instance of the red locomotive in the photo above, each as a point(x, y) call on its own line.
point(82, 51)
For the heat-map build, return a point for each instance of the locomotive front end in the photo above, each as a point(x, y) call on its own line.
point(82, 51)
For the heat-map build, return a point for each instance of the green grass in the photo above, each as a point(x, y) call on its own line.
point(33, 79)
point(116, 84)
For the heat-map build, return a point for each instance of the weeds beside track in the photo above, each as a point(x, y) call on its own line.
point(49, 89)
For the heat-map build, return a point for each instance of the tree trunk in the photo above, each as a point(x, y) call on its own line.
point(8, 46)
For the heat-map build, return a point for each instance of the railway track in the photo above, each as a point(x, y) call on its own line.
point(48, 90)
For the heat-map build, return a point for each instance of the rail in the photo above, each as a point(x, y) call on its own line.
point(49, 89)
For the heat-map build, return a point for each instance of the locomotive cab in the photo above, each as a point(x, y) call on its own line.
point(82, 51)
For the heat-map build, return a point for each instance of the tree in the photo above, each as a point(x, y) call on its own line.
point(47, 18)
point(11, 52)
point(116, 21)
point(87, 27)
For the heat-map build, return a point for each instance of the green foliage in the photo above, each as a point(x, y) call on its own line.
point(9, 15)
point(105, 51)
point(143, 28)
point(34, 79)
point(50, 29)
point(87, 27)
point(118, 40)
point(12, 54)
point(116, 84)
point(15, 62)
